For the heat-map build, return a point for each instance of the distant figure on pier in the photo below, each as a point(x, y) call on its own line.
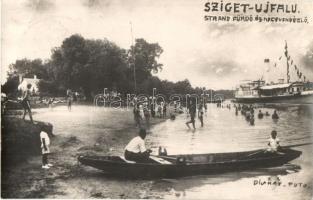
point(275, 115)
point(136, 149)
point(260, 114)
point(200, 114)
point(69, 96)
point(192, 113)
point(267, 114)
point(26, 103)
point(273, 142)
point(173, 117)
point(236, 112)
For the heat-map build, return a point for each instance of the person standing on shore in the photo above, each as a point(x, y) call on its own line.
point(26, 103)
point(164, 110)
point(147, 115)
point(45, 150)
point(50, 102)
point(137, 116)
point(69, 99)
point(152, 109)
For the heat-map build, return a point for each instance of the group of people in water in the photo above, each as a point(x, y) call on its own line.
point(136, 150)
point(144, 111)
point(248, 112)
point(192, 112)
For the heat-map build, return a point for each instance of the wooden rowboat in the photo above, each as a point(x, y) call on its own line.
point(190, 164)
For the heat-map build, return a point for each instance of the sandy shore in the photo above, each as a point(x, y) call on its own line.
point(64, 179)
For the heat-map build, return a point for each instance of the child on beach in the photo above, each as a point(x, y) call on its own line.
point(45, 150)
point(69, 96)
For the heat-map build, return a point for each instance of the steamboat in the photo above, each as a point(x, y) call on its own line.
point(299, 91)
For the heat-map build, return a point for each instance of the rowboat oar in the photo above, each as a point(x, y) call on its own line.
point(297, 145)
point(288, 146)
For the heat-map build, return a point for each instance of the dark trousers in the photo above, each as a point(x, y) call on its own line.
point(44, 159)
point(26, 107)
point(201, 120)
point(138, 157)
point(192, 121)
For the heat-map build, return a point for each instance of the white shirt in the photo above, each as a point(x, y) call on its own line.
point(44, 135)
point(274, 143)
point(136, 145)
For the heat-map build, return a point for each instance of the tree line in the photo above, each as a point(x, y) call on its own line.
point(90, 65)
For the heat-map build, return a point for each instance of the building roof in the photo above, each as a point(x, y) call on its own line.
point(275, 86)
point(31, 80)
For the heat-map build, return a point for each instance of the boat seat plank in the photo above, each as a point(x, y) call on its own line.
point(160, 160)
point(128, 161)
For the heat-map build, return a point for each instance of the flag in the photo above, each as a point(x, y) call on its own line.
point(279, 58)
point(300, 74)
point(266, 60)
point(291, 61)
point(295, 67)
point(275, 65)
point(288, 58)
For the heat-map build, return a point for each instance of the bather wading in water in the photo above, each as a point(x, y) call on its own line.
point(192, 113)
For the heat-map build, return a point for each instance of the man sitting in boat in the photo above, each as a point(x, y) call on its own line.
point(136, 149)
point(273, 142)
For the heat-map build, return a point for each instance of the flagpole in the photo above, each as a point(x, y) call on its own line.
point(133, 57)
point(286, 54)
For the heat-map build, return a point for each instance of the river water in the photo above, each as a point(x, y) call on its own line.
point(223, 131)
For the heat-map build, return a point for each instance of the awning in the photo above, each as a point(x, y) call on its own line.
point(276, 86)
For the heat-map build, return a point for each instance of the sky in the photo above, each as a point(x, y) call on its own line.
point(212, 55)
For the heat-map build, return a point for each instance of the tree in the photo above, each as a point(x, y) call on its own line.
point(143, 56)
point(10, 86)
point(28, 68)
